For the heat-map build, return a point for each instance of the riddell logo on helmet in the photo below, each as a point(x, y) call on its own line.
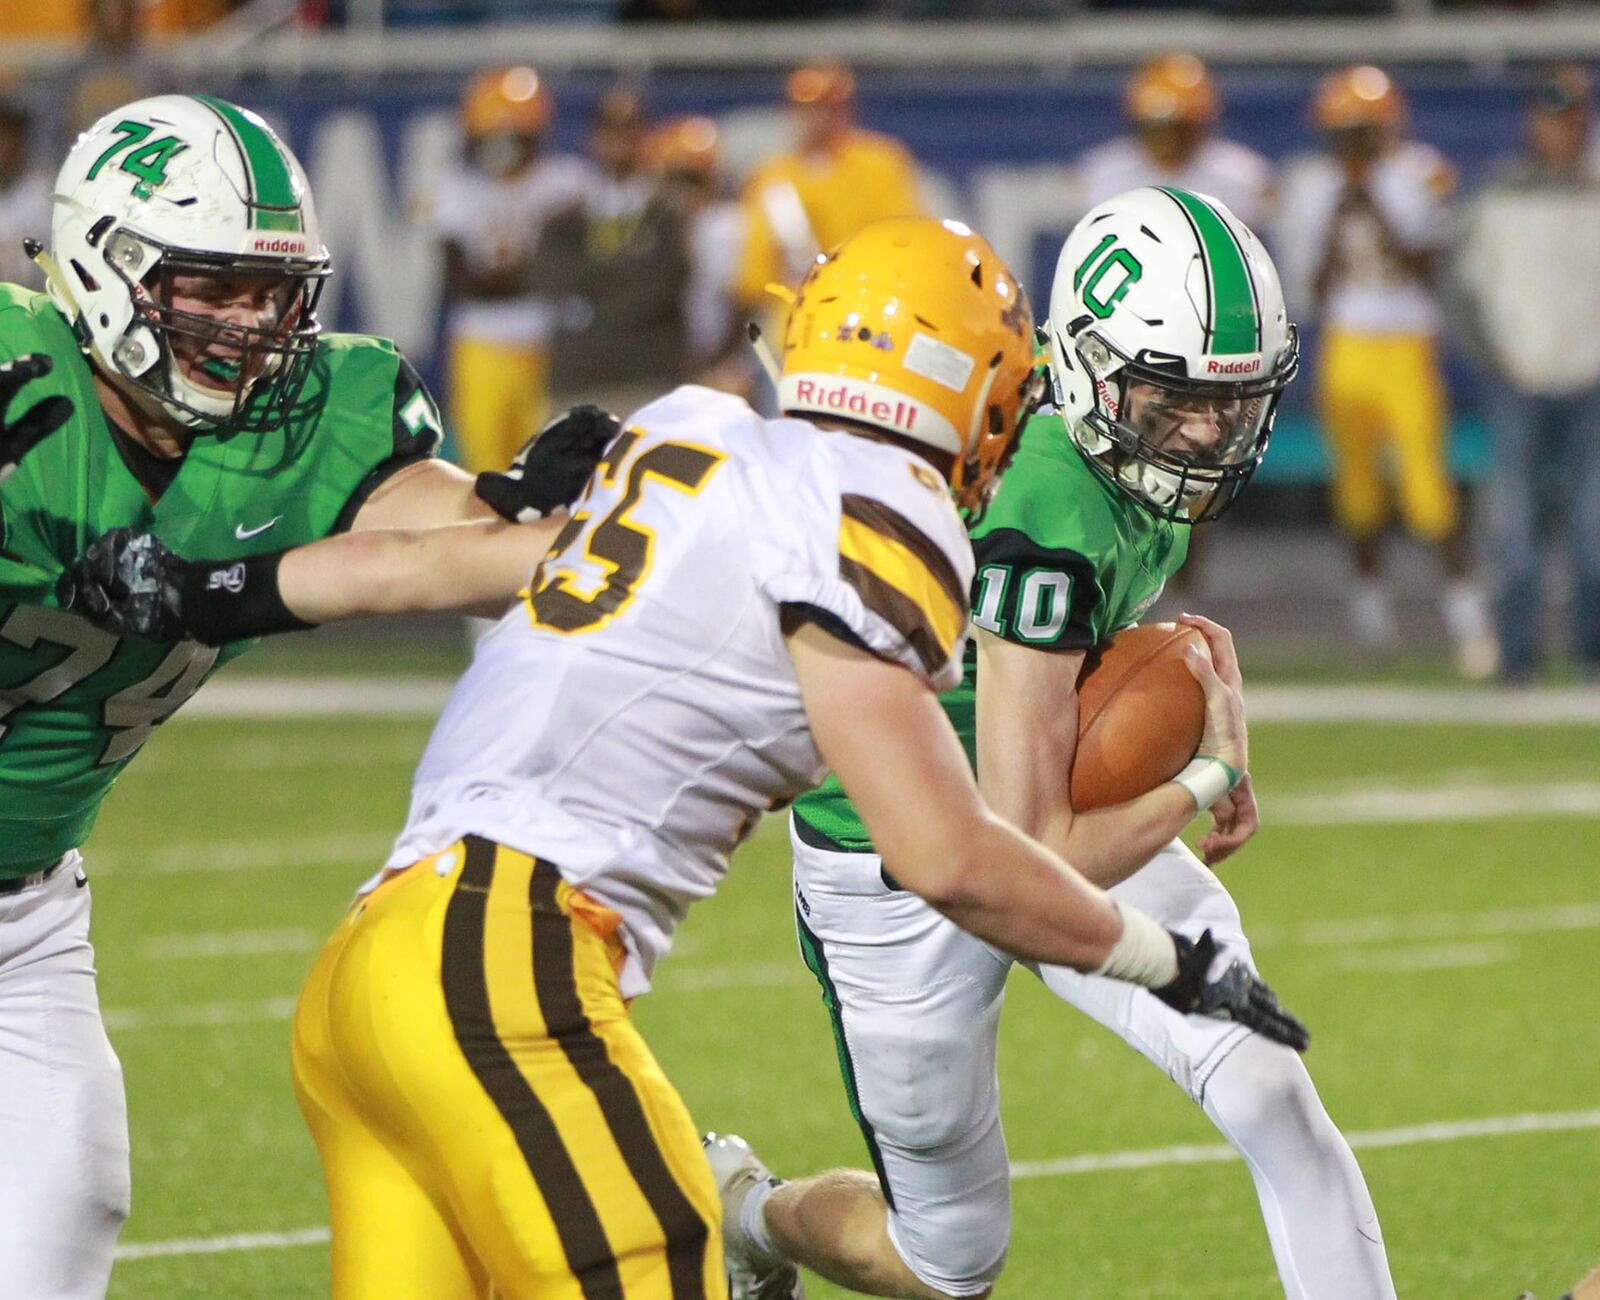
point(899, 415)
point(278, 245)
point(1233, 367)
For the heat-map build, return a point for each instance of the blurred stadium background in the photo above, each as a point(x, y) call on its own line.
point(1452, 830)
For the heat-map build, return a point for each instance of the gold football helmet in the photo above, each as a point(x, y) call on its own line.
point(684, 146)
point(916, 327)
point(821, 83)
point(1171, 89)
point(1357, 97)
point(506, 101)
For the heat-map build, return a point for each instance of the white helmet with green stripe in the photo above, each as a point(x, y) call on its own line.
point(1169, 346)
point(178, 191)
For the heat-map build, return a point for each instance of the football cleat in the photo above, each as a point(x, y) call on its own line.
point(753, 1273)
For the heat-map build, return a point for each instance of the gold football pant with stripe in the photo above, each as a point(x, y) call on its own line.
point(489, 1120)
point(1378, 391)
point(499, 396)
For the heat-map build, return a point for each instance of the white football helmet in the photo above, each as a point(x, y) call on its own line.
point(1169, 346)
point(193, 186)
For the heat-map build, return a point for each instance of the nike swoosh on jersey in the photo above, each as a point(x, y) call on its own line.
point(243, 533)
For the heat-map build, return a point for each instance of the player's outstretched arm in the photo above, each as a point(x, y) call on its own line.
point(388, 563)
point(882, 731)
point(469, 568)
point(131, 583)
point(21, 434)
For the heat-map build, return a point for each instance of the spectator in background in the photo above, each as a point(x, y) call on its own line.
point(1172, 104)
point(24, 198)
point(490, 210)
point(617, 261)
point(1360, 226)
point(176, 17)
point(837, 179)
point(1528, 276)
point(117, 66)
point(686, 160)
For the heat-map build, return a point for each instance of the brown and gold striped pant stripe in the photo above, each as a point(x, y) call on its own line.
point(552, 1155)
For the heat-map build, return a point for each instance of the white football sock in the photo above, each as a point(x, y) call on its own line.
point(1466, 615)
point(1372, 613)
point(1319, 1214)
point(1466, 612)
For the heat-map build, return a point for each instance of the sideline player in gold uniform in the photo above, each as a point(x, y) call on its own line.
point(490, 210)
point(737, 604)
point(1362, 223)
point(836, 180)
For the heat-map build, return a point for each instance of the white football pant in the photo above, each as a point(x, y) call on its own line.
point(63, 1117)
point(918, 1010)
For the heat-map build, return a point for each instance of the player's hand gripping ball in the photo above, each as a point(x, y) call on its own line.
point(1141, 714)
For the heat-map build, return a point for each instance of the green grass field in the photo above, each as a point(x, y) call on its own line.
point(1470, 994)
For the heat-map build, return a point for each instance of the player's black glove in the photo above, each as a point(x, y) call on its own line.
point(551, 470)
point(128, 582)
point(1235, 994)
point(20, 436)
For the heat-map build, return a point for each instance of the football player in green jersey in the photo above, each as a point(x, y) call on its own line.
point(187, 390)
point(1168, 348)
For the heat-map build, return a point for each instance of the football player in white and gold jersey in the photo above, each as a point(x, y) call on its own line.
point(736, 605)
point(1362, 223)
point(489, 211)
point(1172, 104)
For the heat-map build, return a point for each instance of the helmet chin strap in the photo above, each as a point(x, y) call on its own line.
point(763, 352)
point(769, 363)
point(61, 292)
point(980, 405)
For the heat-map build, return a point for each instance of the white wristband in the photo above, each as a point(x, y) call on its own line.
point(1208, 781)
point(1144, 954)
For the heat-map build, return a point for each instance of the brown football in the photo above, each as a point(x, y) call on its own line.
point(1140, 714)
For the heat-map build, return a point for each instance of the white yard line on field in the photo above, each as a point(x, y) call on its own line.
point(364, 851)
point(1413, 704)
point(229, 943)
point(221, 1245)
point(387, 697)
point(322, 697)
point(1389, 803)
point(191, 1014)
point(1373, 1140)
point(277, 753)
point(1105, 1162)
point(1432, 956)
point(1491, 923)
